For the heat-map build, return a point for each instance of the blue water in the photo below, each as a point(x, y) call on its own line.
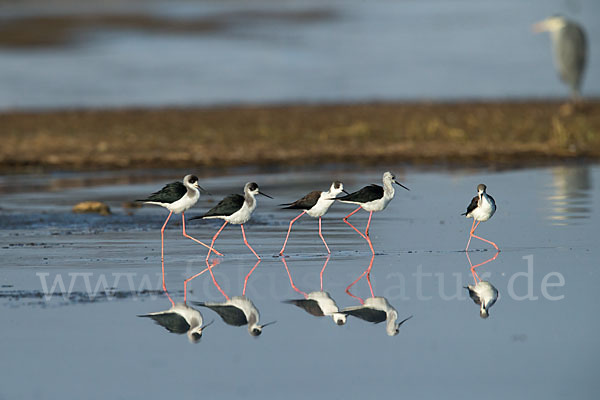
point(540, 340)
point(355, 51)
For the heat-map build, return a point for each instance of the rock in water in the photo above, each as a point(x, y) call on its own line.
point(92, 207)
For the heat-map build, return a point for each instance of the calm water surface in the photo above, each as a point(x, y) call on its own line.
point(294, 50)
point(86, 341)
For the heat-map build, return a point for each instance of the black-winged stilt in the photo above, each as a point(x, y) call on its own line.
point(374, 309)
point(483, 294)
point(180, 319)
point(315, 204)
point(481, 209)
point(317, 303)
point(177, 197)
point(371, 198)
point(238, 311)
point(235, 209)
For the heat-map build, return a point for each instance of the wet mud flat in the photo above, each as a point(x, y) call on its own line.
point(462, 133)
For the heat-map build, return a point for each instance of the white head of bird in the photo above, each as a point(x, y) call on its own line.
point(552, 24)
point(256, 329)
point(336, 188)
point(191, 182)
point(388, 180)
point(339, 318)
point(195, 334)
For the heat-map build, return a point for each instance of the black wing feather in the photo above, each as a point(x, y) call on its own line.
point(473, 205)
point(368, 314)
point(474, 296)
point(229, 314)
point(305, 203)
point(172, 322)
point(225, 207)
point(168, 194)
point(310, 306)
point(364, 195)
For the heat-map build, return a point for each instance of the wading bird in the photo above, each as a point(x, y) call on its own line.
point(177, 197)
point(235, 209)
point(481, 209)
point(371, 198)
point(569, 46)
point(314, 204)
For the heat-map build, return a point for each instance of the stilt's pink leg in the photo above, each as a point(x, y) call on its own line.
point(367, 233)
point(487, 241)
point(289, 230)
point(162, 250)
point(470, 235)
point(365, 272)
point(194, 239)
point(215, 281)
point(248, 276)
point(352, 226)
point(323, 270)
point(291, 280)
point(246, 242)
point(213, 240)
point(322, 238)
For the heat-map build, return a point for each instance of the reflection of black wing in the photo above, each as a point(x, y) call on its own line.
point(473, 294)
point(310, 306)
point(367, 314)
point(229, 314)
point(473, 205)
point(169, 194)
point(172, 322)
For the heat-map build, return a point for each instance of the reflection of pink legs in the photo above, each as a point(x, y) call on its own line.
point(364, 235)
point(169, 297)
point(246, 241)
point(215, 262)
point(472, 235)
point(323, 270)
point(475, 276)
point(365, 272)
point(194, 239)
point(248, 276)
point(292, 281)
point(322, 238)
point(162, 250)
point(213, 241)
point(215, 281)
point(289, 230)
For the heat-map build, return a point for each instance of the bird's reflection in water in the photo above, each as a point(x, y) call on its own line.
point(570, 200)
point(237, 310)
point(374, 309)
point(483, 293)
point(181, 318)
point(317, 303)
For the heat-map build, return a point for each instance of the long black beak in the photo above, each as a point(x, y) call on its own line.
point(204, 191)
point(344, 190)
point(399, 184)
point(266, 195)
point(268, 323)
point(207, 325)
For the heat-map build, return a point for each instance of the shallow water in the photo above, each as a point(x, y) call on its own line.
point(539, 340)
point(351, 50)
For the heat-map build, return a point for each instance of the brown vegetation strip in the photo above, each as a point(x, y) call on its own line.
point(512, 132)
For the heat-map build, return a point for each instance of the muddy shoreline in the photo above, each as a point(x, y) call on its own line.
point(517, 133)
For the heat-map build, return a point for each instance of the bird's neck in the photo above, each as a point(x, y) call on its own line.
point(388, 189)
